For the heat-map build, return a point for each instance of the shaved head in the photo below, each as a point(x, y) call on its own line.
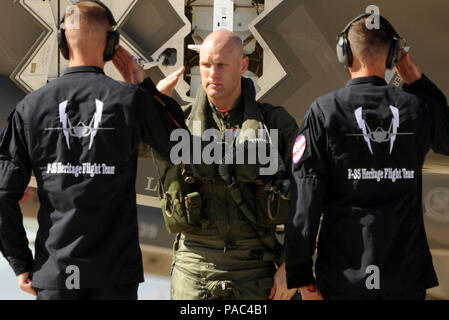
point(222, 64)
point(223, 41)
point(89, 36)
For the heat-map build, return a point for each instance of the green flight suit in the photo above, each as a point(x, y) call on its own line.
point(224, 257)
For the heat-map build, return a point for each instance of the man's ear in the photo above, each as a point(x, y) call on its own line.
point(245, 65)
point(356, 65)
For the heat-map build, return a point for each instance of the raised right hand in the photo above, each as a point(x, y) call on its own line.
point(130, 70)
point(409, 71)
point(167, 85)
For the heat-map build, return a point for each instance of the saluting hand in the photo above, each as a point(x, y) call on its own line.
point(408, 69)
point(128, 67)
point(167, 85)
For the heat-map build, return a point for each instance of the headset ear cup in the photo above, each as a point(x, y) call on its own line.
point(344, 53)
point(112, 42)
point(339, 48)
point(62, 44)
point(347, 47)
point(390, 55)
point(394, 54)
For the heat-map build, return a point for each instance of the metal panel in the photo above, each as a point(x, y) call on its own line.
point(18, 32)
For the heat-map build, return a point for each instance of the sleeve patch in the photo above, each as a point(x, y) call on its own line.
point(298, 148)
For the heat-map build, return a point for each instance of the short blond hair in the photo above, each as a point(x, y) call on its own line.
point(368, 45)
point(91, 13)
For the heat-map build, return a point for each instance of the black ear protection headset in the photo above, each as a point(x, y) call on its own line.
point(112, 39)
point(344, 52)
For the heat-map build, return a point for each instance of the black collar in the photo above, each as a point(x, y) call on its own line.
point(82, 69)
point(374, 80)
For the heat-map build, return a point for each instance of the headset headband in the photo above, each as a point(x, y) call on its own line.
point(109, 14)
point(365, 15)
point(112, 39)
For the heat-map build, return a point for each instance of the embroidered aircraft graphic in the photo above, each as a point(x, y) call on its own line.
point(379, 135)
point(81, 130)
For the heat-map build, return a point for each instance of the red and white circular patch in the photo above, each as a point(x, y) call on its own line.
point(299, 148)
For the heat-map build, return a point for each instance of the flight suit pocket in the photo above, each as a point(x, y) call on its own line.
point(223, 290)
point(271, 209)
point(180, 204)
point(193, 207)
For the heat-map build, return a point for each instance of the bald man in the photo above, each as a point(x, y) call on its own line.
point(226, 248)
point(79, 135)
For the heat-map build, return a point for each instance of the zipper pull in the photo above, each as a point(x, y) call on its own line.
point(228, 243)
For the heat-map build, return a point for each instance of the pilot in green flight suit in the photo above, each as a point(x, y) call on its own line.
point(225, 215)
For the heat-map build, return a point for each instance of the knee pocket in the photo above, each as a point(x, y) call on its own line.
point(223, 290)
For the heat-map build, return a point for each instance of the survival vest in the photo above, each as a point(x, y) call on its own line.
point(181, 198)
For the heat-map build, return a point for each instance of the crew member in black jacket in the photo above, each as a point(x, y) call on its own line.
point(358, 160)
point(79, 135)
